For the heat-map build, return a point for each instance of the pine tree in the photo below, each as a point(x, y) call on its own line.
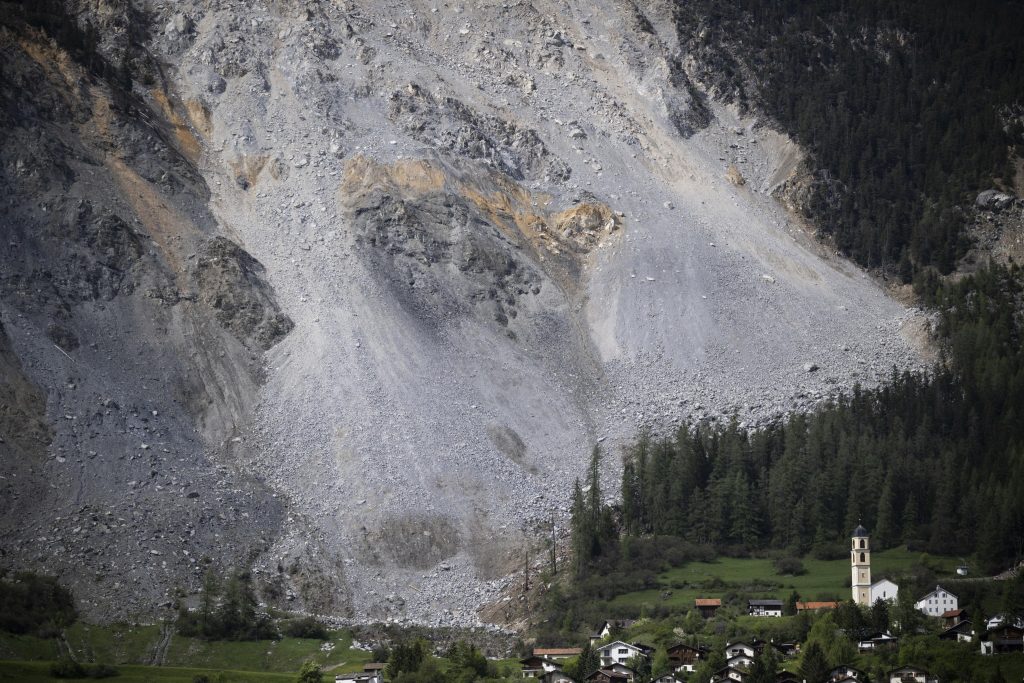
point(580, 530)
point(765, 667)
point(885, 517)
point(208, 604)
point(814, 667)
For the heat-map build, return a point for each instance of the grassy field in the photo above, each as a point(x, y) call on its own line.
point(39, 672)
point(286, 654)
point(824, 579)
point(129, 647)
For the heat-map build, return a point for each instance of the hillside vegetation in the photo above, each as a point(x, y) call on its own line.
point(908, 108)
point(931, 460)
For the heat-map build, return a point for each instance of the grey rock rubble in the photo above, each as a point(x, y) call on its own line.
point(503, 233)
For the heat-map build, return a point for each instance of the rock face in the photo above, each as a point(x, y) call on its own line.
point(346, 292)
point(125, 363)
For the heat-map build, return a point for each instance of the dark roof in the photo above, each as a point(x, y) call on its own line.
point(908, 668)
point(844, 668)
point(684, 646)
point(860, 531)
point(956, 629)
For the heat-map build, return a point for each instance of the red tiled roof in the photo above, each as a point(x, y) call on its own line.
point(708, 602)
point(952, 613)
point(800, 606)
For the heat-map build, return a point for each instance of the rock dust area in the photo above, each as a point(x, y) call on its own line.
point(502, 232)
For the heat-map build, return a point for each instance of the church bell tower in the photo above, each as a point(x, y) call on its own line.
point(860, 562)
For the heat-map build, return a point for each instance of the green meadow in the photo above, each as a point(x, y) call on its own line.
point(822, 580)
point(131, 647)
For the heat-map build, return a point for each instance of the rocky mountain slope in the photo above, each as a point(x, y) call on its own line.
point(347, 291)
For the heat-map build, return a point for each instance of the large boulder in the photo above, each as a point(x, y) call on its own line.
point(993, 200)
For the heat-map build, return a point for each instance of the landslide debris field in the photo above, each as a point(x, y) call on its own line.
point(347, 291)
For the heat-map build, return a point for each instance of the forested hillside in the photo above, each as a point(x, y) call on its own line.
point(908, 108)
point(930, 460)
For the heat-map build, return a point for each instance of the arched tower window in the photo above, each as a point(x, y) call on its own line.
point(862, 555)
point(862, 542)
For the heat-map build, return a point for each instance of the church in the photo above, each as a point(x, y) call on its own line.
point(866, 593)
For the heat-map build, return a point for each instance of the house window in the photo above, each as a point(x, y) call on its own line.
point(623, 651)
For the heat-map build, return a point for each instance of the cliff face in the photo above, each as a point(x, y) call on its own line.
point(346, 292)
point(133, 331)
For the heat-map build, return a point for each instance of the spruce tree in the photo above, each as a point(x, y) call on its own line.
point(813, 666)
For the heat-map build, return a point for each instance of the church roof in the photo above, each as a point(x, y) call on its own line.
point(860, 531)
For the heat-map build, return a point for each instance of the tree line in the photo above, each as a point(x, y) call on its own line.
point(227, 610)
point(929, 459)
point(904, 106)
point(932, 459)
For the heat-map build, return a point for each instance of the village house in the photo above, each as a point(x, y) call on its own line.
point(646, 649)
point(608, 676)
point(559, 654)
point(788, 677)
point(556, 676)
point(764, 608)
point(629, 672)
point(740, 661)
point(535, 667)
point(845, 672)
point(708, 606)
point(961, 632)
point(999, 619)
point(876, 641)
point(667, 678)
point(910, 674)
point(729, 673)
point(816, 606)
point(953, 617)
point(685, 658)
point(375, 668)
point(740, 648)
point(360, 677)
point(607, 628)
point(788, 648)
point(937, 602)
point(884, 589)
point(618, 652)
point(1008, 636)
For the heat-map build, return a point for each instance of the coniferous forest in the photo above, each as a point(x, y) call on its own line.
point(931, 460)
point(908, 108)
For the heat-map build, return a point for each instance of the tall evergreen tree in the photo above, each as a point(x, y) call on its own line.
point(814, 667)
